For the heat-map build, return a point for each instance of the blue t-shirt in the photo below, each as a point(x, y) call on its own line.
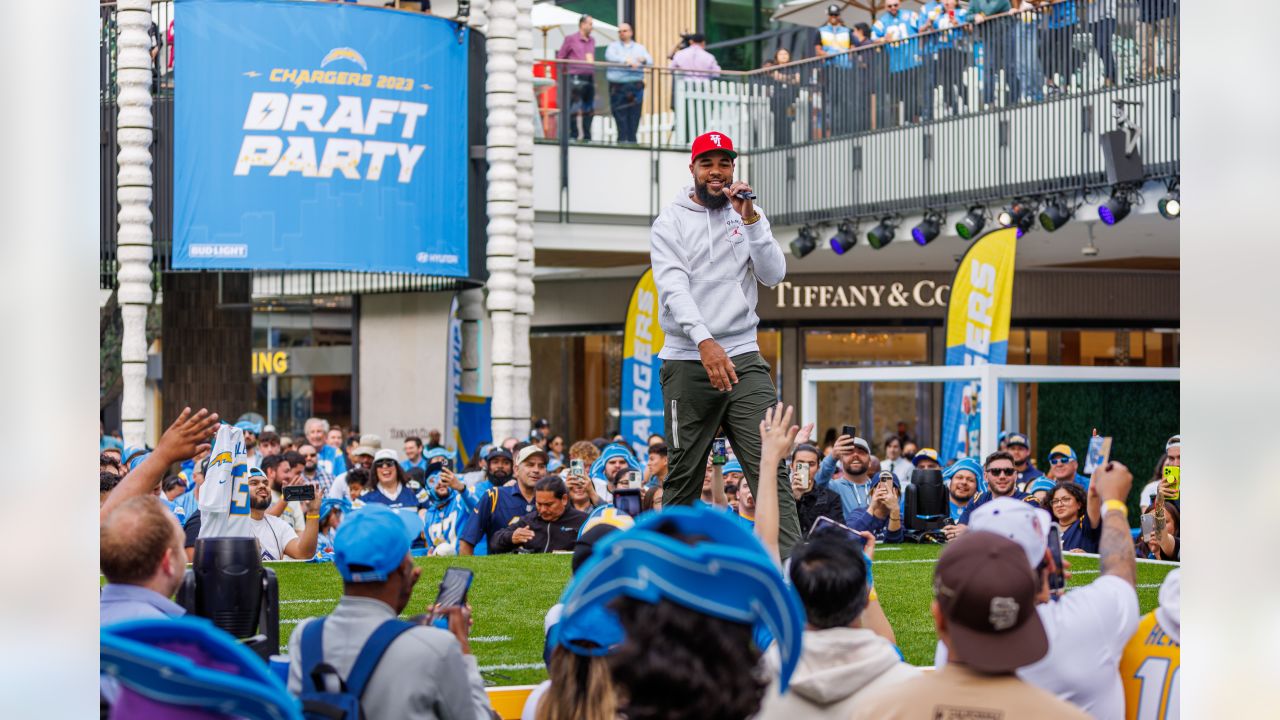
point(987, 497)
point(498, 508)
point(1082, 535)
point(405, 498)
point(331, 460)
point(446, 521)
point(899, 31)
point(957, 511)
point(422, 463)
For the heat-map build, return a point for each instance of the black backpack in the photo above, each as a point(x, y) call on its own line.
point(321, 703)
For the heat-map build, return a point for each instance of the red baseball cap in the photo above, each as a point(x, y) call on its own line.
point(706, 142)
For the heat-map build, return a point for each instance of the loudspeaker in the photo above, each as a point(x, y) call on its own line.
point(1121, 168)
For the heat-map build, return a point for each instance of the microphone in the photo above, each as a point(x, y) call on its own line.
point(746, 195)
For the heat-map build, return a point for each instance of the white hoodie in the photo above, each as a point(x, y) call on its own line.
point(706, 264)
point(837, 667)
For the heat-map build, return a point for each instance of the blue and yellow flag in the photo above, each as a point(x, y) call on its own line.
point(641, 391)
point(977, 334)
point(474, 423)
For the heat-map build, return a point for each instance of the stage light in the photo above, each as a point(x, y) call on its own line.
point(1170, 205)
point(846, 237)
point(1116, 208)
point(804, 243)
point(1020, 215)
point(882, 234)
point(1055, 214)
point(928, 229)
point(972, 224)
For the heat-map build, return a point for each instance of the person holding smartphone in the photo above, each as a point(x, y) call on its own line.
point(883, 513)
point(812, 502)
point(371, 554)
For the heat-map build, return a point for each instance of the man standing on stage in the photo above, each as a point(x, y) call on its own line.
point(709, 249)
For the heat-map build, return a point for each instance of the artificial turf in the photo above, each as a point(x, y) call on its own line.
point(512, 593)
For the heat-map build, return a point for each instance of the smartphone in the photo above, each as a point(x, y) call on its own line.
point(633, 480)
point(825, 525)
point(1148, 527)
point(446, 463)
point(299, 492)
point(886, 477)
point(1099, 453)
point(453, 592)
point(627, 501)
point(719, 451)
point(849, 430)
point(1057, 579)
point(1173, 476)
point(576, 467)
point(803, 478)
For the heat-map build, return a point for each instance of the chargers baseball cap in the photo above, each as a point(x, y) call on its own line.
point(1064, 450)
point(1021, 522)
point(988, 597)
point(371, 543)
point(713, 140)
point(386, 454)
point(498, 452)
point(529, 452)
point(833, 9)
point(924, 453)
point(1017, 439)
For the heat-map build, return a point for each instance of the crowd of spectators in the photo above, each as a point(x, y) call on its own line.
point(1007, 644)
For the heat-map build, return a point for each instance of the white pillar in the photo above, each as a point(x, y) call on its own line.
point(133, 119)
point(524, 214)
point(471, 312)
point(500, 102)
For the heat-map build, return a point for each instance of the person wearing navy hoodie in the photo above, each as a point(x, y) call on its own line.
point(710, 249)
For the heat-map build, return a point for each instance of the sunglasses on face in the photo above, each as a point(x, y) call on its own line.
point(1008, 472)
point(385, 463)
point(1059, 460)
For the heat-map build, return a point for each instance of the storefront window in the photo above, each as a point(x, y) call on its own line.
point(576, 382)
point(302, 362)
point(1114, 348)
point(874, 408)
point(865, 347)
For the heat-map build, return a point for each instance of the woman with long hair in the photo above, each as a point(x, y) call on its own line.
point(1078, 514)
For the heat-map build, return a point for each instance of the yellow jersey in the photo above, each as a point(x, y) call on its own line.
point(1149, 670)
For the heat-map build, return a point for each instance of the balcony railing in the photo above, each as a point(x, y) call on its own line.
point(974, 113)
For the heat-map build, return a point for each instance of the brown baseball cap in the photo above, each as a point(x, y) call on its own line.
point(987, 593)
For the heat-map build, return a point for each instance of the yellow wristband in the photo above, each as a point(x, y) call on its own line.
point(871, 596)
point(751, 220)
point(1116, 505)
point(313, 516)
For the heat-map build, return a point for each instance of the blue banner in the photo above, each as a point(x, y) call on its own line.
point(641, 391)
point(319, 136)
point(475, 422)
point(978, 314)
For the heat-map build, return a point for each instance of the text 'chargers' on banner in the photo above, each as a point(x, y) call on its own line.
point(318, 136)
point(978, 315)
point(641, 399)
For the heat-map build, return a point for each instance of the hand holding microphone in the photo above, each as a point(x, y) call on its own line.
point(740, 196)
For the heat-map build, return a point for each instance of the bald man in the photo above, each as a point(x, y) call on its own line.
point(143, 560)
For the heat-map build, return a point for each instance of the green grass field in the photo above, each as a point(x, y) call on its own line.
point(512, 593)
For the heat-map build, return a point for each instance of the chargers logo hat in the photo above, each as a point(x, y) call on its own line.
point(1064, 450)
point(925, 453)
point(1017, 439)
point(713, 140)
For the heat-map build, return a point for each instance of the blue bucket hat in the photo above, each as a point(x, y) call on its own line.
point(733, 466)
point(328, 505)
point(728, 576)
point(968, 463)
point(252, 427)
